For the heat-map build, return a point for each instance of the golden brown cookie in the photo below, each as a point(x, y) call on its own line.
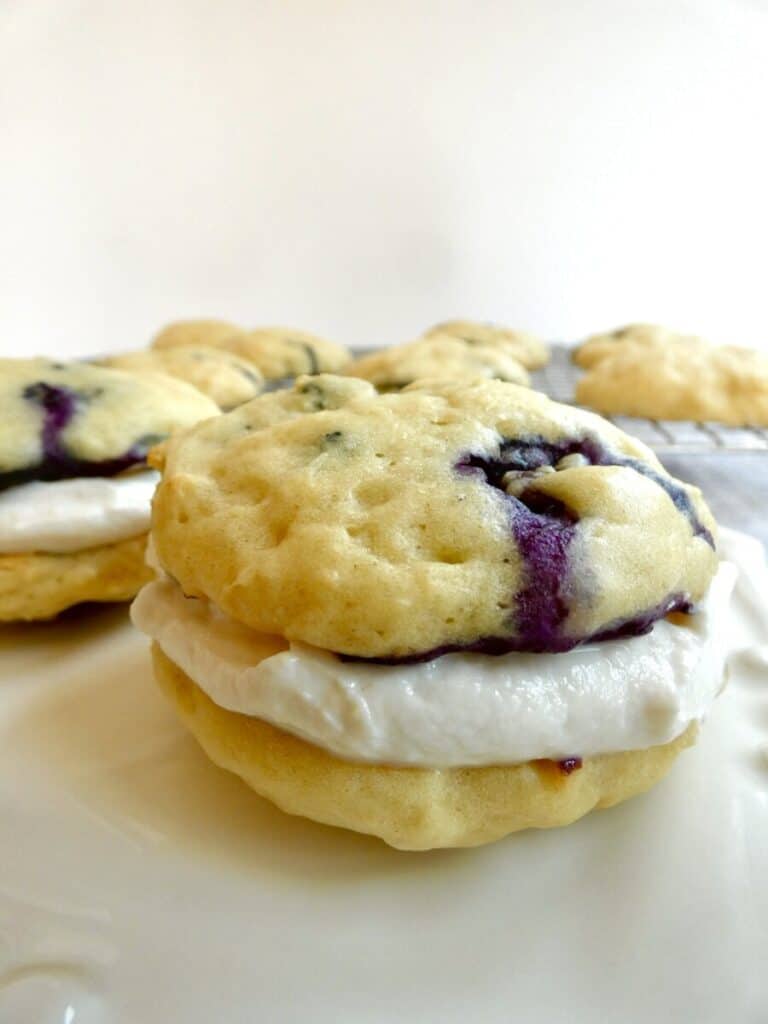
point(62, 420)
point(194, 332)
point(227, 379)
point(646, 336)
point(278, 352)
point(691, 381)
point(447, 516)
point(526, 348)
point(65, 428)
point(444, 356)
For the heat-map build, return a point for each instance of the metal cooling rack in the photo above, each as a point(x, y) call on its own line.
point(672, 437)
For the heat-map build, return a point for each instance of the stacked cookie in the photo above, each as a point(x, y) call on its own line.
point(438, 615)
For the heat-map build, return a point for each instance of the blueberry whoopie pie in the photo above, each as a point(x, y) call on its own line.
point(438, 615)
point(75, 489)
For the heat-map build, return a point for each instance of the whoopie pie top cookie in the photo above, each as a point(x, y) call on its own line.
point(526, 348)
point(277, 351)
point(647, 336)
point(447, 516)
point(437, 356)
point(228, 379)
point(75, 420)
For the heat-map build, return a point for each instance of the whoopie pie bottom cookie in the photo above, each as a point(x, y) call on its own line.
point(40, 585)
point(410, 808)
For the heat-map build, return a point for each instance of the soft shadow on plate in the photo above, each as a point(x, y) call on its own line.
point(25, 645)
point(108, 737)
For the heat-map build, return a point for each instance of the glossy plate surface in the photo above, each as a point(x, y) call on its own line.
point(138, 883)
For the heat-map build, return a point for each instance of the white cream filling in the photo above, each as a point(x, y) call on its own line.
point(71, 515)
point(460, 709)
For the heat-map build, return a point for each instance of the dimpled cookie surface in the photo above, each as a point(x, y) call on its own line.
point(684, 381)
point(67, 420)
point(446, 516)
point(226, 378)
point(645, 336)
point(277, 351)
point(525, 347)
point(437, 356)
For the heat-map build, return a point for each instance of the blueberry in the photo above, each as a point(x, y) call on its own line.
point(309, 352)
point(543, 529)
point(60, 405)
point(250, 376)
point(316, 395)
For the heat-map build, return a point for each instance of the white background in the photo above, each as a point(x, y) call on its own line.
point(365, 168)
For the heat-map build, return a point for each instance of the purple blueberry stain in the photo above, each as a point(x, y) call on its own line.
point(313, 366)
point(569, 764)
point(532, 453)
point(59, 406)
point(543, 528)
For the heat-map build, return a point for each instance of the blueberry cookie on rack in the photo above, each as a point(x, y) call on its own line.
point(685, 379)
point(440, 355)
point(647, 337)
point(438, 615)
point(526, 348)
point(278, 352)
point(75, 490)
point(228, 379)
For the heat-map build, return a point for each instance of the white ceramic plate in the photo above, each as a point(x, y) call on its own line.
point(140, 884)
